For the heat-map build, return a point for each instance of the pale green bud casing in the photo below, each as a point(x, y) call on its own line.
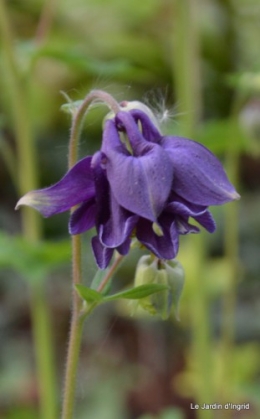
point(176, 276)
point(146, 272)
point(135, 104)
point(152, 270)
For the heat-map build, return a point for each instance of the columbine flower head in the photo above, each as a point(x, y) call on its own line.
point(140, 183)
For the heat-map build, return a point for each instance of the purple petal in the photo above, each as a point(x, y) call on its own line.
point(75, 187)
point(102, 254)
point(102, 188)
point(119, 226)
point(207, 221)
point(180, 206)
point(114, 223)
point(149, 131)
point(198, 175)
point(124, 248)
point(184, 227)
point(142, 183)
point(165, 246)
point(83, 218)
point(184, 209)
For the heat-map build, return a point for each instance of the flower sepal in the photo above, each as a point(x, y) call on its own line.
point(170, 274)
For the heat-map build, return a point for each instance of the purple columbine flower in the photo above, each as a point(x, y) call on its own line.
point(140, 183)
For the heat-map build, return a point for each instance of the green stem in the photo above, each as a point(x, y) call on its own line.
point(71, 365)
point(77, 317)
point(229, 298)
point(27, 173)
point(9, 159)
point(201, 329)
point(111, 271)
point(78, 119)
point(44, 352)
point(27, 177)
point(186, 65)
point(186, 74)
point(45, 21)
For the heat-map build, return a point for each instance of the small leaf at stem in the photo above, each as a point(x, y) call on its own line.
point(71, 107)
point(138, 292)
point(88, 294)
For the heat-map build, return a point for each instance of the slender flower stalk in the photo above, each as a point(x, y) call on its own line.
point(77, 319)
point(78, 119)
point(111, 271)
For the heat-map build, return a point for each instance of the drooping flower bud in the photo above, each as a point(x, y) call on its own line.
point(175, 277)
point(151, 270)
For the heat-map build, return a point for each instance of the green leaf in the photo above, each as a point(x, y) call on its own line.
point(217, 134)
point(81, 61)
point(246, 82)
point(71, 107)
point(88, 294)
point(33, 261)
point(138, 292)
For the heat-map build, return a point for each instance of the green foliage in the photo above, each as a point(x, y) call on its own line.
point(138, 292)
point(219, 134)
point(21, 413)
point(92, 296)
point(170, 413)
point(88, 294)
point(34, 261)
point(246, 83)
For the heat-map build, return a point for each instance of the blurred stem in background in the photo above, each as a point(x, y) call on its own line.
point(231, 240)
point(186, 66)
point(27, 180)
point(45, 21)
point(188, 96)
point(229, 298)
point(187, 82)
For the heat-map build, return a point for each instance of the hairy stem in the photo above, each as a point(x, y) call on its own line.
point(77, 318)
point(78, 119)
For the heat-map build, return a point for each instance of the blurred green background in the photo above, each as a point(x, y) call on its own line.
point(197, 63)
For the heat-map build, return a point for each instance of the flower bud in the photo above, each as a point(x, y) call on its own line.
point(135, 104)
point(176, 276)
point(146, 273)
point(155, 271)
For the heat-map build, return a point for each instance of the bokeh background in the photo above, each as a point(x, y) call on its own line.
point(197, 63)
